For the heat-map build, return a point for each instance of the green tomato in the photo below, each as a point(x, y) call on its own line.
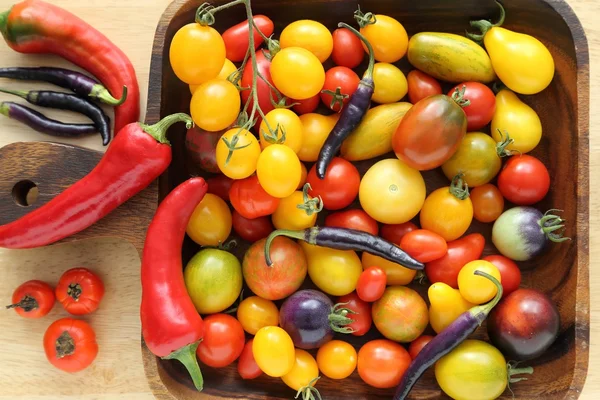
point(213, 279)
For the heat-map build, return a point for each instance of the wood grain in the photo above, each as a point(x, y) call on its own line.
point(131, 25)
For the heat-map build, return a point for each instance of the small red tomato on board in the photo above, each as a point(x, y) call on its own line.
point(488, 203)
point(417, 345)
point(264, 91)
point(306, 106)
point(347, 48)
point(510, 273)
point(362, 319)
point(251, 230)
point(421, 85)
point(33, 299)
point(353, 219)
point(340, 84)
point(247, 367)
point(249, 198)
point(382, 363)
point(80, 291)
point(395, 232)
point(340, 186)
point(219, 186)
point(524, 180)
point(70, 344)
point(483, 104)
point(371, 284)
point(223, 341)
point(460, 252)
point(423, 245)
point(237, 40)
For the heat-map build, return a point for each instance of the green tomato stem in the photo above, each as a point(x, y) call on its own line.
point(338, 318)
point(309, 391)
point(205, 15)
point(503, 144)
point(550, 224)
point(459, 97)
point(459, 188)
point(484, 25)
point(311, 205)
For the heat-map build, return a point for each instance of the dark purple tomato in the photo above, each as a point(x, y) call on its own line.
point(201, 149)
point(524, 324)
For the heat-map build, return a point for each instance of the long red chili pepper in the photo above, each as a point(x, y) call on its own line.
point(137, 156)
point(34, 26)
point(171, 326)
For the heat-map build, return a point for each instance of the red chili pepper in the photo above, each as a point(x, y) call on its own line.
point(34, 26)
point(137, 156)
point(171, 326)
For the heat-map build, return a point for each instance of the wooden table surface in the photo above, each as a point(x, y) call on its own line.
point(118, 372)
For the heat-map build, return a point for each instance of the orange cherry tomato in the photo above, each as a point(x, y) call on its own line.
point(488, 203)
point(33, 299)
point(70, 344)
point(79, 291)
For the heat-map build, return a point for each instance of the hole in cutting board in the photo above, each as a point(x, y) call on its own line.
point(25, 193)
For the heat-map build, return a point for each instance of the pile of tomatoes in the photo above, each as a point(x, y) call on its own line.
point(257, 135)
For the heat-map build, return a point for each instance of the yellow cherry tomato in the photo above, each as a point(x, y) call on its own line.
point(390, 83)
point(391, 192)
point(388, 38)
point(244, 149)
point(396, 274)
point(297, 211)
point(297, 73)
point(316, 128)
point(281, 120)
point(447, 304)
point(303, 176)
point(228, 69)
point(335, 272)
point(255, 313)
point(519, 120)
point(188, 53)
point(215, 105)
point(448, 211)
point(210, 224)
point(310, 35)
point(279, 170)
point(304, 372)
point(273, 351)
point(475, 288)
point(337, 359)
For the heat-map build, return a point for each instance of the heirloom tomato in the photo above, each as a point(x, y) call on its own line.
point(255, 313)
point(273, 351)
point(335, 272)
point(396, 274)
point(33, 299)
point(223, 341)
point(388, 38)
point(482, 104)
point(517, 119)
point(390, 83)
point(421, 85)
point(304, 372)
point(524, 180)
point(347, 48)
point(339, 187)
point(201, 148)
point(446, 304)
point(488, 203)
point(310, 35)
point(337, 359)
point(297, 73)
point(340, 85)
point(382, 363)
point(237, 153)
point(400, 314)
point(210, 224)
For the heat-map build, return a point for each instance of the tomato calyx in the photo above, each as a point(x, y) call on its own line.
point(205, 14)
point(64, 345)
point(338, 319)
point(311, 205)
point(364, 19)
point(27, 303)
point(459, 97)
point(459, 188)
point(484, 25)
point(503, 144)
point(309, 391)
point(553, 226)
point(512, 371)
point(232, 145)
point(74, 290)
point(273, 137)
point(337, 97)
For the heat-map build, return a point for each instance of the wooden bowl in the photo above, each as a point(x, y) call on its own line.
point(563, 107)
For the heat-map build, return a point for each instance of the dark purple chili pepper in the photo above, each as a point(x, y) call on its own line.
point(71, 102)
point(352, 113)
point(447, 340)
point(40, 123)
point(75, 81)
point(347, 239)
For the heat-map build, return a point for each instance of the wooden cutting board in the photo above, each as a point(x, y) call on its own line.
point(117, 373)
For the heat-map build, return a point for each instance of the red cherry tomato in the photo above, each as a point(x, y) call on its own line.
point(251, 230)
point(524, 180)
point(264, 91)
point(340, 84)
point(79, 291)
point(70, 344)
point(33, 299)
point(306, 106)
point(371, 284)
point(247, 367)
point(353, 219)
point(421, 85)
point(340, 186)
point(382, 363)
point(362, 319)
point(483, 104)
point(423, 245)
point(417, 345)
point(460, 252)
point(220, 185)
point(394, 233)
point(236, 37)
point(488, 203)
point(223, 341)
point(249, 198)
point(510, 273)
point(347, 48)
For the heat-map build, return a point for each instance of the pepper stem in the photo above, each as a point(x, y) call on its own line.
point(101, 93)
point(482, 311)
point(159, 130)
point(3, 19)
point(27, 303)
point(369, 73)
point(5, 109)
point(484, 25)
point(550, 224)
point(21, 93)
point(309, 391)
point(187, 356)
point(338, 319)
point(459, 188)
point(300, 235)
